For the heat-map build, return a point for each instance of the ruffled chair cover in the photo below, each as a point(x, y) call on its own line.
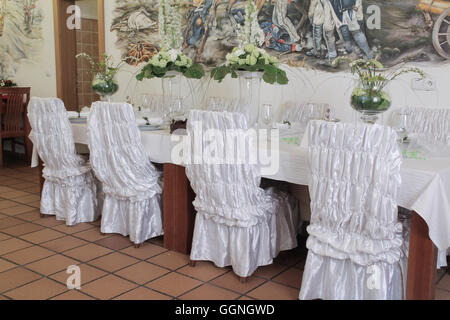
point(237, 222)
point(433, 123)
point(223, 104)
point(356, 246)
point(69, 190)
point(130, 182)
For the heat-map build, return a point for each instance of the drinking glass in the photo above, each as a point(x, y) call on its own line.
point(400, 125)
point(267, 114)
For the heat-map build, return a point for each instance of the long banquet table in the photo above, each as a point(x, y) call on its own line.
point(425, 189)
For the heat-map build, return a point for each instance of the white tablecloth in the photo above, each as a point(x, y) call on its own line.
point(425, 183)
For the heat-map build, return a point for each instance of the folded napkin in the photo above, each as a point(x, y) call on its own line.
point(73, 114)
point(86, 109)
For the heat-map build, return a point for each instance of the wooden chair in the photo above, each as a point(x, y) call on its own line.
point(13, 119)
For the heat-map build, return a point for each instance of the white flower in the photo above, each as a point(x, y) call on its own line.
point(173, 54)
point(239, 52)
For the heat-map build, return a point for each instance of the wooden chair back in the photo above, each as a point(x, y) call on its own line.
point(14, 111)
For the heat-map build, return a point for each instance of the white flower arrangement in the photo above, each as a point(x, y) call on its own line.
point(252, 33)
point(170, 58)
point(248, 57)
point(169, 21)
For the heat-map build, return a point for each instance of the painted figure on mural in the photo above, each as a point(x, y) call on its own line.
point(346, 17)
point(20, 33)
point(299, 32)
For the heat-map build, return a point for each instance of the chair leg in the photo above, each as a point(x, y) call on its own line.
point(243, 279)
point(138, 245)
point(192, 263)
point(1, 152)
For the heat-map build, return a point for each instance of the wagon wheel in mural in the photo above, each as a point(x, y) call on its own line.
point(441, 34)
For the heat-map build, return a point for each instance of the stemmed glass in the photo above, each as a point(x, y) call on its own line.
point(400, 125)
point(267, 114)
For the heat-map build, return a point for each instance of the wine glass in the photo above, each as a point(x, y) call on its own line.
point(400, 125)
point(267, 114)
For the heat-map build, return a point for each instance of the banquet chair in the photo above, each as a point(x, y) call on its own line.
point(13, 121)
point(356, 247)
point(433, 123)
point(223, 104)
point(69, 190)
point(237, 222)
point(130, 182)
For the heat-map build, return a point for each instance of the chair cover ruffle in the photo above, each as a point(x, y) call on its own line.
point(246, 248)
point(432, 122)
point(130, 183)
point(73, 199)
point(69, 190)
point(354, 222)
point(141, 220)
point(328, 278)
point(237, 222)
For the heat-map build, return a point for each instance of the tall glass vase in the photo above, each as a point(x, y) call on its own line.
point(249, 100)
point(172, 84)
point(105, 86)
point(370, 102)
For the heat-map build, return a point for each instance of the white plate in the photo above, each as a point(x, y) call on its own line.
point(149, 128)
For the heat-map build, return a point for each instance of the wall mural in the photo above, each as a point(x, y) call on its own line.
point(306, 33)
point(20, 33)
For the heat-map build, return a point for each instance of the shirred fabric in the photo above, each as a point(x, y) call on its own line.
point(354, 215)
point(434, 123)
point(69, 190)
point(130, 182)
point(237, 222)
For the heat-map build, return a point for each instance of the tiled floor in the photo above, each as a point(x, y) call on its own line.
point(35, 253)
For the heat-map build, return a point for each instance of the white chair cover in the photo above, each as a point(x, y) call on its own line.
point(223, 104)
point(356, 247)
point(433, 123)
point(237, 222)
point(69, 190)
point(130, 182)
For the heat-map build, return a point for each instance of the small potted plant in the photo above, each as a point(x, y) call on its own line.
point(369, 97)
point(104, 83)
point(250, 64)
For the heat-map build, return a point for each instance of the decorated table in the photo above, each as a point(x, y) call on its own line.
point(425, 190)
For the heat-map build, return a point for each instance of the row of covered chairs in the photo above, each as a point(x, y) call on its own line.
point(237, 222)
point(357, 244)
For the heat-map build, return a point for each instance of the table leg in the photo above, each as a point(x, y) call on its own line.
point(178, 210)
point(422, 262)
point(28, 143)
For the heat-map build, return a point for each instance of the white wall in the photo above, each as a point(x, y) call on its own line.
point(39, 73)
point(305, 85)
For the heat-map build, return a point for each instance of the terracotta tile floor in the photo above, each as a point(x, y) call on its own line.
point(35, 253)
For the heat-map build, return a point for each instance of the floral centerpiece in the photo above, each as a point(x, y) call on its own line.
point(170, 57)
point(370, 97)
point(7, 83)
point(104, 71)
point(248, 57)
